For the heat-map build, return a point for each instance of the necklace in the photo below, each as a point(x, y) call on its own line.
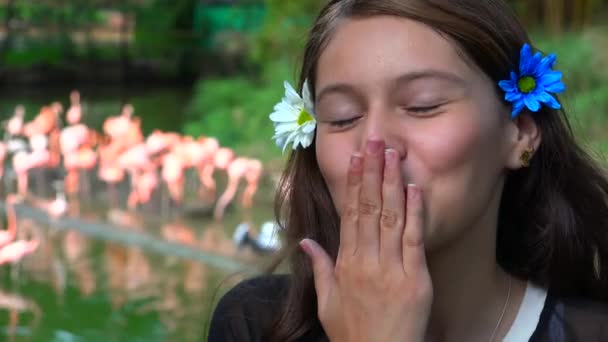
point(504, 309)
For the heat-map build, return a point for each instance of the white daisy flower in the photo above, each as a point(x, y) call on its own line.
point(294, 119)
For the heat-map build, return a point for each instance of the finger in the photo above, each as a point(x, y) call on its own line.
point(350, 210)
point(322, 266)
point(370, 200)
point(392, 218)
point(413, 235)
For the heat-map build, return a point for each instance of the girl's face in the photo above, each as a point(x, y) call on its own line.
point(400, 81)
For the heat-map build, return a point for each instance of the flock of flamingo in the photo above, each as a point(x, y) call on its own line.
point(119, 153)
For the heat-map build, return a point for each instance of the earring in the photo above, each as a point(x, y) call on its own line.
point(526, 156)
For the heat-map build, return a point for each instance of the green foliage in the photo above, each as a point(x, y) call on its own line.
point(578, 57)
point(292, 19)
point(588, 112)
point(235, 111)
point(71, 13)
point(583, 63)
point(559, 16)
point(46, 33)
point(38, 53)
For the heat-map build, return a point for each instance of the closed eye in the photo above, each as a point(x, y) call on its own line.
point(343, 123)
point(422, 110)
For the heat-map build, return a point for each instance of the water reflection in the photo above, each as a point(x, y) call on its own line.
point(71, 277)
point(17, 308)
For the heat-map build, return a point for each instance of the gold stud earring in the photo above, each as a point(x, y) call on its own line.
point(526, 156)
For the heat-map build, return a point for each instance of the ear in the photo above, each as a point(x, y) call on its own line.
point(525, 135)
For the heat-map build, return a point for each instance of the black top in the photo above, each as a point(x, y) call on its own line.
point(245, 312)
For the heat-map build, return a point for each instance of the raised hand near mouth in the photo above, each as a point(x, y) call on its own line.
point(379, 288)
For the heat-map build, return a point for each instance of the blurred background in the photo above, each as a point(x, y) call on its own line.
point(138, 170)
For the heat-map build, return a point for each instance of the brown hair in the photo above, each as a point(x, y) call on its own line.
point(552, 216)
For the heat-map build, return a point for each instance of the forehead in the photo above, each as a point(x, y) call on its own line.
point(378, 49)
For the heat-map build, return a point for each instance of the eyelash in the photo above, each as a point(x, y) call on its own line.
point(343, 123)
point(421, 110)
point(417, 110)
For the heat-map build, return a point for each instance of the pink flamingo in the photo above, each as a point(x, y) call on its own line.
point(54, 208)
point(70, 163)
point(135, 160)
point(199, 154)
point(159, 142)
point(52, 135)
point(15, 251)
point(252, 178)
point(82, 159)
point(12, 252)
point(144, 186)
point(43, 123)
point(2, 157)
point(77, 143)
point(21, 165)
point(250, 170)
point(118, 126)
point(210, 147)
point(46, 147)
point(87, 160)
point(8, 235)
point(14, 126)
point(74, 113)
point(23, 162)
point(133, 134)
point(124, 132)
point(54, 149)
point(72, 137)
point(45, 154)
point(219, 158)
point(173, 175)
point(109, 170)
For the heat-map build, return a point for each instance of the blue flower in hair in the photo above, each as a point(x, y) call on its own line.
point(532, 85)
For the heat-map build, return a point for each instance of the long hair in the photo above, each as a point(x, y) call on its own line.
point(553, 215)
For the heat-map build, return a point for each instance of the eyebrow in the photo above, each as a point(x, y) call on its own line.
point(405, 78)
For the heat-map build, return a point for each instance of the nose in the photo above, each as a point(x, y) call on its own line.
point(384, 126)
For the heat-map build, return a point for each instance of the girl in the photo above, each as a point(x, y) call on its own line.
point(434, 187)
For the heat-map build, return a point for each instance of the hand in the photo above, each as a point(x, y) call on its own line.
point(379, 288)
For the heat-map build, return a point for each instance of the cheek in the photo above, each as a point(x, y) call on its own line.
point(447, 145)
point(456, 160)
point(469, 139)
point(333, 156)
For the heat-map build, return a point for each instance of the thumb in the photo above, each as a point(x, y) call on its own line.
point(323, 267)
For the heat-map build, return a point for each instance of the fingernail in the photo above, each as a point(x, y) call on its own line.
point(390, 156)
point(374, 146)
point(305, 245)
point(355, 162)
point(412, 191)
